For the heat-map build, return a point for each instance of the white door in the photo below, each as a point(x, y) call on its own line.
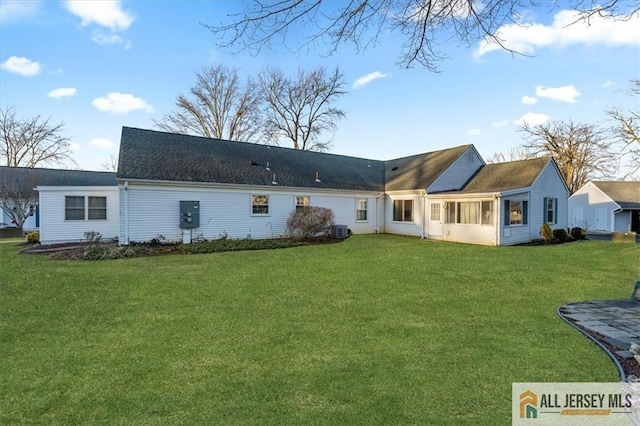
point(435, 219)
point(601, 219)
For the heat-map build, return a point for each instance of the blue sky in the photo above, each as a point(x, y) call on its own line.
point(101, 65)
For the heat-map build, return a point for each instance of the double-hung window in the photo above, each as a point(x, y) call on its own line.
point(361, 209)
point(260, 204)
point(550, 210)
point(403, 210)
point(302, 201)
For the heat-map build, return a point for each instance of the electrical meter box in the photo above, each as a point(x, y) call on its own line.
point(189, 214)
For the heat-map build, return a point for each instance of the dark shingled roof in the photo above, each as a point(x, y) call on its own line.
point(57, 177)
point(506, 176)
point(625, 193)
point(419, 171)
point(153, 155)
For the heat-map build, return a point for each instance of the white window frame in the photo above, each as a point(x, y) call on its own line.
point(302, 201)
point(551, 207)
point(359, 209)
point(86, 210)
point(256, 206)
point(403, 210)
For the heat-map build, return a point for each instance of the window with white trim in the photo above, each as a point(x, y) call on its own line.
point(487, 213)
point(516, 212)
point(302, 201)
point(469, 212)
point(361, 209)
point(260, 204)
point(76, 207)
point(550, 210)
point(403, 210)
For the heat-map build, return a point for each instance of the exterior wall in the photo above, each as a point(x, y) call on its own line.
point(514, 234)
point(151, 210)
point(458, 173)
point(593, 202)
point(622, 221)
point(417, 227)
point(549, 184)
point(55, 229)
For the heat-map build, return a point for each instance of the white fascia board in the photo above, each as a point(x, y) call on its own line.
point(180, 185)
point(77, 188)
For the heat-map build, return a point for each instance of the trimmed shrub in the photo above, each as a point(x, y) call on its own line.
point(33, 237)
point(560, 234)
point(309, 222)
point(578, 233)
point(546, 232)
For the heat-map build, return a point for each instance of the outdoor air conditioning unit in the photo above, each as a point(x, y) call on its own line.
point(339, 231)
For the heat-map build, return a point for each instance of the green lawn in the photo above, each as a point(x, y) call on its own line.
point(378, 329)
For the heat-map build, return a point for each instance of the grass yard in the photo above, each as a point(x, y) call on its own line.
point(378, 329)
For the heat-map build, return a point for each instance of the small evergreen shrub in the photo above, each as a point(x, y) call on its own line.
point(546, 233)
point(33, 237)
point(578, 233)
point(310, 222)
point(561, 235)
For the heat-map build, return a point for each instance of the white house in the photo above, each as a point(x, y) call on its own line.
point(180, 187)
point(69, 202)
point(607, 206)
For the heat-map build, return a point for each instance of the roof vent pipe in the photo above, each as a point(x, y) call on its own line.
point(317, 176)
point(273, 182)
point(268, 166)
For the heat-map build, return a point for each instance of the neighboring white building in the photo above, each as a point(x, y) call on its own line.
point(69, 202)
point(244, 190)
point(606, 206)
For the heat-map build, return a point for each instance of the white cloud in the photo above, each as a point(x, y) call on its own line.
point(105, 13)
point(121, 103)
point(609, 83)
point(102, 38)
point(23, 66)
point(532, 119)
point(474, 132)
point(100, 143)
point(16, 9)
point(74, 146)
point(62, 92)
point(567, 29)
point(529, 100)
point(500, 123)
point(366, 79)
point(563, 94)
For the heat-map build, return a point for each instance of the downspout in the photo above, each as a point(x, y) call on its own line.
point(126, 213)
point(498, 222)
point(424, 213)
point(377, 230)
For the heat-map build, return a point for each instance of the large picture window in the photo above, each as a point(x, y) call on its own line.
point(260, 204)
point(361, 209)
point(83, 208)
point(470, 212)
point(516, 212)
point(403, 210)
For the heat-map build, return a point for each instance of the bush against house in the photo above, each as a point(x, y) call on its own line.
point(309, 222)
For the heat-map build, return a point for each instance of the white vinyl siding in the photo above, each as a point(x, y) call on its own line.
point(588, 199)
point(56, 228)
point(154, 210)
point(458, 173)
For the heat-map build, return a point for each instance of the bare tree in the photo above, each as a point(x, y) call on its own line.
point(422, 24)
point(515, 153)
point(627, 129)
point(32, 141)
point(582, 151)
point(111, 165)
point(301, 110)
point(18, 197)
point(219, 106)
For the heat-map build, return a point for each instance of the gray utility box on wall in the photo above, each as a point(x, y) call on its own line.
point(189, 214)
